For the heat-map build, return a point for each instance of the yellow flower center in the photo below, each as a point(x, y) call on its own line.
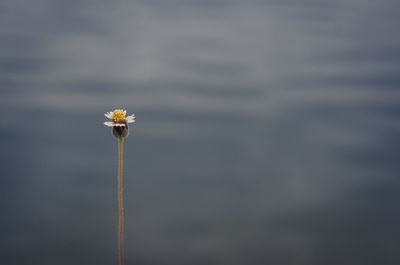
point(118, 116)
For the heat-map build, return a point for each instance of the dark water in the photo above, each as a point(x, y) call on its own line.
point(267, 131)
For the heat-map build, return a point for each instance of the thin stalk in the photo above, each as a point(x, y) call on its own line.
point(120, 205)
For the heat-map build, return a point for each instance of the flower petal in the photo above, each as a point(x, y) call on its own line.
point(108, 115)
point(109, 124)
point(130, 118)
point(124, 112)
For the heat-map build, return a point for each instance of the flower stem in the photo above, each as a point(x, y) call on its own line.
point(120, 205)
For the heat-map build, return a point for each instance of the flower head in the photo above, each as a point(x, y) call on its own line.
point(119, 122)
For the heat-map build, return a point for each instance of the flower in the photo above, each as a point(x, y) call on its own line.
point(119, 122)
point(118, 118)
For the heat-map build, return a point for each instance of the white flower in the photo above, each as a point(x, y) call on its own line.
point(118, 118)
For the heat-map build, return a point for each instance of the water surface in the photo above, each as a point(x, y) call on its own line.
point(267, 131)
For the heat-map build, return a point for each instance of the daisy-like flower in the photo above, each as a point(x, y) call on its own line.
point(119, 122)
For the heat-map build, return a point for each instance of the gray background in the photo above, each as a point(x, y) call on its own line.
point(267, 131)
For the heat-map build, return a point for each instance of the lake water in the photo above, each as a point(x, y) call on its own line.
point(267, 132)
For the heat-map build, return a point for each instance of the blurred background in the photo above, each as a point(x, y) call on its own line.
point(267, 132)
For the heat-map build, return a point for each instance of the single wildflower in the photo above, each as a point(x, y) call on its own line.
point(119, 122)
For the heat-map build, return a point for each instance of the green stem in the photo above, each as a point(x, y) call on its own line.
point(120, 205)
